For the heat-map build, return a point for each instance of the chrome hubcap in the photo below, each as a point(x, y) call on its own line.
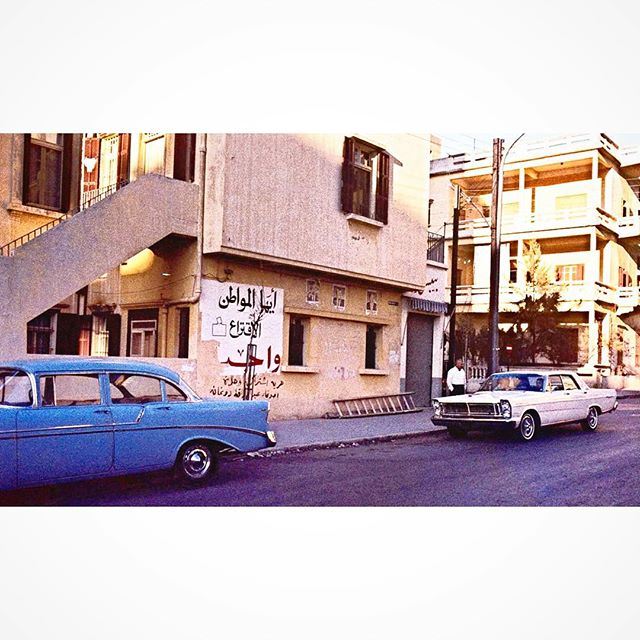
point(527, 428)
point(593, 418)
point(196, 462)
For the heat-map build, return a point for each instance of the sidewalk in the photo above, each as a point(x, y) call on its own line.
point(318, 432)
point(294, 434)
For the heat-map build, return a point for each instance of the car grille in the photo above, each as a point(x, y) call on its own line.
point(469, 410)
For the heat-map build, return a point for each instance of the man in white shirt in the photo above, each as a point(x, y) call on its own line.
point(457, 379)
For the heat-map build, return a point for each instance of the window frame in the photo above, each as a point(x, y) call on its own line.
point(57, 374)
point(64, 186)
point(378, 193)
point(579, 272)
point(303, 322)
point(131, 374)
point(34, 395)
point(375, 330)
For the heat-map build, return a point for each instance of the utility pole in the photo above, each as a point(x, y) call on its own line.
point(454, 281)
point(493, 361)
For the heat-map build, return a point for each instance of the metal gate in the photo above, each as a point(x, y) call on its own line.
point(419, 357)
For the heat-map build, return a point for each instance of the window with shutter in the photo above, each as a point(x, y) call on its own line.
point(366, 178)
point(124, 153)
point(90, 164)
point(46, 171)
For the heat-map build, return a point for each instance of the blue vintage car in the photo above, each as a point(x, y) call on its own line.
point(65, 419)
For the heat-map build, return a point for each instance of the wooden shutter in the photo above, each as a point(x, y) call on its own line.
point(184, 156)
point(25, 168)
point(114, 323)
point(347, 175)
point(67, 172)
point(124, 148)
point(580, 272)
point(68, 334)
point(92, 152)
point(382, 189)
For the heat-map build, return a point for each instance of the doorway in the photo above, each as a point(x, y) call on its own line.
point(419, 357)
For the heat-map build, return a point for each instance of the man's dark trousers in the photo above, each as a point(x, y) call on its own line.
point(458, 390)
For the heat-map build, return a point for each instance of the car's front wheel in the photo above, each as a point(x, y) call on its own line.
point(197, 462)
point(591, 421)
point(527, 428)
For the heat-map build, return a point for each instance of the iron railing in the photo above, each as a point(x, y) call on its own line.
point(9, 248)
point(95, 195)
point(89, 198)
point(435, 247)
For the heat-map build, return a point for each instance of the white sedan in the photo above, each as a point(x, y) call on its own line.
point(524, 401)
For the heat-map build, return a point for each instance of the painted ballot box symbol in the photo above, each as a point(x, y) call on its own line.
point(218, 328)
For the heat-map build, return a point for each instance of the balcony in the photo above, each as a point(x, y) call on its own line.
point(435, 247)
point(532, 222)
point(628, 298)
point(477, 296)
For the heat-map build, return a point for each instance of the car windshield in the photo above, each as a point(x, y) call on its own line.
point(513, 382)
point(15, 389)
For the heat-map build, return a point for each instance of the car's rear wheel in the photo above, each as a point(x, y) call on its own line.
point(527, 428)
point(456, 432)
point(591, 421)
point(197, 462)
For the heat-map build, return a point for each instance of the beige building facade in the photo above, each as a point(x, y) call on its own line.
point(577, 198)
point(307, 257)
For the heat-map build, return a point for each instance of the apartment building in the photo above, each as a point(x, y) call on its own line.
point(304, 257)
point(577, 197)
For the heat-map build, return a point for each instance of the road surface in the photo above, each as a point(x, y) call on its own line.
point(563, 466)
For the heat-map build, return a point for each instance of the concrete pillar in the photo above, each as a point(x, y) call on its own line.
point(593, 338)
point(592, 269)
point(521, 194)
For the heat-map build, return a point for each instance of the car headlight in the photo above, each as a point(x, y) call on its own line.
point(437, 408)
point(505, 408)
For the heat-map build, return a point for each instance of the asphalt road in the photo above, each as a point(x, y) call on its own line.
point(563, 466)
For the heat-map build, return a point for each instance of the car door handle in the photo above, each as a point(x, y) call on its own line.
point(102, 411)
point(163, 408)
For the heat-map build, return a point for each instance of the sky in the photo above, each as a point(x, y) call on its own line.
point(459, 142)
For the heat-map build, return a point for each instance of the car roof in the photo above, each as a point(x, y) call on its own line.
point(74, 364)
point(539, 372)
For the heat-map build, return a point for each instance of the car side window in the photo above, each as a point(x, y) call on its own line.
point(174, 394)
point(134, 389)
point(15, 389)
point(555, 383)
point(569, 383)
point(70, 390)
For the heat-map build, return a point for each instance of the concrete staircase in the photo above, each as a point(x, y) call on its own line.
point(67, 257)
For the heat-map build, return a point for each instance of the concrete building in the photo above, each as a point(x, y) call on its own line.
point(577, 197)
point(308, 256)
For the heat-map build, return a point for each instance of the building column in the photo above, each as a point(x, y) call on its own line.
point(593, 338)
point(594, 262)
point(521, 194)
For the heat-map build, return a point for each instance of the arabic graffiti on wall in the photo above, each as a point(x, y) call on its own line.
point(266, 387)
point(235, 315)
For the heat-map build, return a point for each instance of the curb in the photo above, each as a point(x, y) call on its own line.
point(338, 444)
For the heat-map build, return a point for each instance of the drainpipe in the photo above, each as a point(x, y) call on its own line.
point(197, 289)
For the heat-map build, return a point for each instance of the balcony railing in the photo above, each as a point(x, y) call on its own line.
point(88, 198)
point(578, 291)
point(435, 247)
point(9, 248)
point(532, 221)
point(95, 195)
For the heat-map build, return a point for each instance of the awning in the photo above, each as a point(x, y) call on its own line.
point(429, 306)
